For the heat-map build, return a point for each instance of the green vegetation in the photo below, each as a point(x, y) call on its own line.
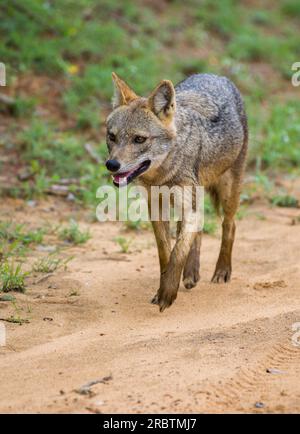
point(72, 234)
point(12, 232)
point(16, 318)
point(60, 55)
point(210, 222)
point(46, 152)
point(16, 242)
point(12, 278)
point(285, 200)
point(15, 239)
point(276, 137)
point(124, 243)
point(252, 35)
point(50, 263)
point(7, 297)
point(137, 225)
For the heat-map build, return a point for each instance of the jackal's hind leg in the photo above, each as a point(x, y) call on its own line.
point(223, 269)
point(191, 269)
point(228, 192)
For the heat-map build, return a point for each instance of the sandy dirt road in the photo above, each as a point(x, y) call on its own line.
point(219, 348)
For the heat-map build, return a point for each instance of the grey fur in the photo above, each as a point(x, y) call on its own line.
point(211, 129)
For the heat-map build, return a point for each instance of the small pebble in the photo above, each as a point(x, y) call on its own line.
point(274, 371)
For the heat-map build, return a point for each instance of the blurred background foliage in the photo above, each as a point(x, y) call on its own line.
point(59, 55)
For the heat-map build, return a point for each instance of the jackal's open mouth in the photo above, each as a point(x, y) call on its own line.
point(124, 178)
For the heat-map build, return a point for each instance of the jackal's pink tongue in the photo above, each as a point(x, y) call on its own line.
point(119, 177)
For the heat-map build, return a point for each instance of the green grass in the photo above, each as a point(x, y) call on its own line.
point(11, 249)
point(291, 8)
point(137, 225)
point(210, 217)
point(45, 150)
point(275, 137)
point(123, 243)
point(73, 234)
point(253, 36)
point(285, 200)
point(15, 239)
point(210, 226)
point(43, 147)
point(12, 278)
point(50, 263)
point(7, 297)
point(79, 43)
point(12, 232)
point(16, 318)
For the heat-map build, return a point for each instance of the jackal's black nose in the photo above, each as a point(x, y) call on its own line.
point(113, 165)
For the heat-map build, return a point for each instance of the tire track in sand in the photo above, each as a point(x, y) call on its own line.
point(263, 387)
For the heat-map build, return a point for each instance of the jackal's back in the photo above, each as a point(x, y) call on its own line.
point(211, 113)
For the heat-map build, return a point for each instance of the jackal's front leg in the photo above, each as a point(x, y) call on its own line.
point(162, 235)
point(170, 278)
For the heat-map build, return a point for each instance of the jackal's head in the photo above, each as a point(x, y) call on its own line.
point(140, 131)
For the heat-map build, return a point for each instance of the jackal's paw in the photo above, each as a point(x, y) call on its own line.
point(190, 282)
point(221, 275)
point(164, 299)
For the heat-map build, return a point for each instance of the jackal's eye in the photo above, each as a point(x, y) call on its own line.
point(139, 139)
point(111, 136)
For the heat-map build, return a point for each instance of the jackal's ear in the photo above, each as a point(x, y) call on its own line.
point(123, 95)
point(162, 101)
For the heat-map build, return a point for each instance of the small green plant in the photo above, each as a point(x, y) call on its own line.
point(285, 200)
point(260, 216)
point(7, 297)
point(137, 225)
point(210, 223)
point(124, 243)
point(12, 278)
point(17, 233)
point(72, 234)
point(16, 317)
point(50, 263)
point(242, 212)
point(8, 249)
point(15, 239)
point(210, 226)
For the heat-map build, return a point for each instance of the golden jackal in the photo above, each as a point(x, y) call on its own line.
point(195, 134)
